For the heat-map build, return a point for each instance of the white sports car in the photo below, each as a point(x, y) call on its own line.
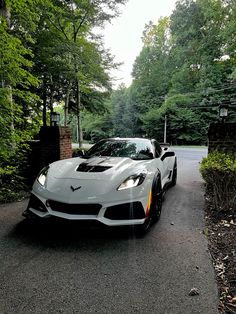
point(119, 181)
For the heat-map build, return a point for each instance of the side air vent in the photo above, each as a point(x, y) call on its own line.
point(125, 211)
point(88, 168)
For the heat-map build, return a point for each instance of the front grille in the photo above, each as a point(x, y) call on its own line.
point(75, 209)
point(88, 168)
point(125, 211)
point(35, 203)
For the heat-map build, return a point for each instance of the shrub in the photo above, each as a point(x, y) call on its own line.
point(12, 184)
point(219, 172)
point(12, 167)
point(78, 152)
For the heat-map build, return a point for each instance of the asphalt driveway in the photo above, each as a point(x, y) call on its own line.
point(58, 267)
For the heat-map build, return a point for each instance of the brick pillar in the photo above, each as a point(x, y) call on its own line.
point(55, 142)
point(222, 137)
point(65, 142)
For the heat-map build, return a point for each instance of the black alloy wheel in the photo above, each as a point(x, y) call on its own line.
point(156, 206)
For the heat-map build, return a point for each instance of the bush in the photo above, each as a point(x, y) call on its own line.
point(219, 172)
point(12, 181)
point(12, 186)
point(78, 152)
point(97, 135)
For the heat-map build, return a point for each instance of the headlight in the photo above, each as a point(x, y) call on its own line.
point(42, 176)
point(132, 181)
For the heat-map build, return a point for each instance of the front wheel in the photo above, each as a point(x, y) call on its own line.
point(155, 208)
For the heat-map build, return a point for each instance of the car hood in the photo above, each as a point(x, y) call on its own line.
point(81, 174)
point(95, 168)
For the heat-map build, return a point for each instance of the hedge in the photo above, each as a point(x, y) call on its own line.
point(219, 172)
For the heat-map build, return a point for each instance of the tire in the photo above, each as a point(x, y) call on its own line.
point(156, 206)
point(145, 226)
point(174, 176)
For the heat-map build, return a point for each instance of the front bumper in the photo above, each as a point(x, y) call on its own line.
point(111, 214)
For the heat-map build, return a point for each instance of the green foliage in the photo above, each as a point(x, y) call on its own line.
point(97, 127)
point(219, 172)
point(10, 193)
point(181, 72)
point(218, 161)
point(16, 99)
point(15, 60)
point(77, 152)
point(47, 51)
point(69, 58)
point(12, 170)
point(184, 125)
point(152, 69)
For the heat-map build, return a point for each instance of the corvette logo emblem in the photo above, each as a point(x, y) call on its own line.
point(75, 189)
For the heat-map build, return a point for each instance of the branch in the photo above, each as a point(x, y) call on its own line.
point(81, 23)
point(60, 29)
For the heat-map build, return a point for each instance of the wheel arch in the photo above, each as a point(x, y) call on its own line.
point(156, 177)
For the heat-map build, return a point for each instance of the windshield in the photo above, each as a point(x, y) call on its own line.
point(138, 149)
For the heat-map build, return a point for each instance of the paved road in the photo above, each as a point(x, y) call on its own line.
point(67, 268)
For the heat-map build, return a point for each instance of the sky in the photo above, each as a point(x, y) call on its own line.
point(123, 35)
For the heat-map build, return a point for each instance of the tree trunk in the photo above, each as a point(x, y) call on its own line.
point(67, 104)
point(5, 12)
point(12, 127)
point(78, 109)
point(51, 99)
point(44, 104)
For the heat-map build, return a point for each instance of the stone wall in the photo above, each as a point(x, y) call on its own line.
point(222, 137)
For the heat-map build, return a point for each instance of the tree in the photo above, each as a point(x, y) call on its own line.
point(152, 69)
point(16, 100)
point(15, 81)
point(86, 62)
point(97, 126)
point(182, 70)
point(118, 102)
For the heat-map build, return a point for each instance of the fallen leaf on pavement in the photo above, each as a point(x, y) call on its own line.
point(193, 292)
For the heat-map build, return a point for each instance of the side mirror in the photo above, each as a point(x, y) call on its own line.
point(167, 154)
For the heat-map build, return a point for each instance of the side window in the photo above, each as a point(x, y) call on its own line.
point(158, 149)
